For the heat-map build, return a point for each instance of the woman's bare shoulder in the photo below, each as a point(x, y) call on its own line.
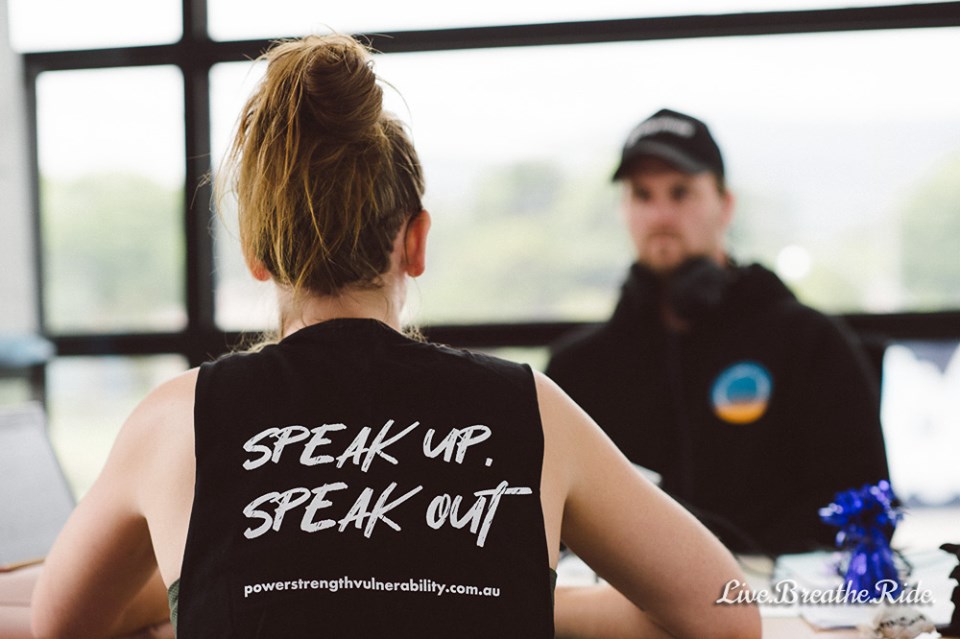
point(169, 405)
point(568, 431)
point(161, 422)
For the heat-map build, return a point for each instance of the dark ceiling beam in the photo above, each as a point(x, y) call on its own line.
point(671, 28)
point(908, 16)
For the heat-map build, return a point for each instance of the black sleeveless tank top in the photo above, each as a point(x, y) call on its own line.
point(354, 483)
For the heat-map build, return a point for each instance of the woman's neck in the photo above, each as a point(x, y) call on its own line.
point(383, 303)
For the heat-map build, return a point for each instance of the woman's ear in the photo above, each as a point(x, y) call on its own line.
point(415, 244)
point(256, 267)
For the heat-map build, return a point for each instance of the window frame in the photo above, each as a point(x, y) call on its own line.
point(196, 53)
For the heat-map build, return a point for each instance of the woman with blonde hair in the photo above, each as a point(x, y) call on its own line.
point(349, 480)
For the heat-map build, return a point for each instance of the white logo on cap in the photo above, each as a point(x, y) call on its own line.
point(662, 124)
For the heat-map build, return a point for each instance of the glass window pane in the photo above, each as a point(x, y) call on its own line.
point(242, 303)
point(243, 19)
point(845, 160)
point(88, 399)
point(14, 390)
point(111, 163)
point(49, 25)
point(920, 413)
point(842, 149)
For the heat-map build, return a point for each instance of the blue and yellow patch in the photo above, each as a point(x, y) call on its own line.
point(741, 393)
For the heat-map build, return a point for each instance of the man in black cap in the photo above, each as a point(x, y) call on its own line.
point(755, 409)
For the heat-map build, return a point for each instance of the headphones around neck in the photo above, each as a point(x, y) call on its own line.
point(694, 290)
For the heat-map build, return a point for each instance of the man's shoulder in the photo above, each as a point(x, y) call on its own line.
point(772, 305)
point(590, 356)
point(759, 289)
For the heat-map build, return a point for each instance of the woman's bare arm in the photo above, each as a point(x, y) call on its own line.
point(665, 568)
point(101, 578)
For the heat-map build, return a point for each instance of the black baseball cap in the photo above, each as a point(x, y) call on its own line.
point(676, 138)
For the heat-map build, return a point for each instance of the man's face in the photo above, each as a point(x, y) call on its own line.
point(673, 216)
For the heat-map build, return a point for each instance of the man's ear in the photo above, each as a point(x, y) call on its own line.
point(415, 244)
point(728, 205)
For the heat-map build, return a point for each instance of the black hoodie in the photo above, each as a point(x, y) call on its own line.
point(755, 417)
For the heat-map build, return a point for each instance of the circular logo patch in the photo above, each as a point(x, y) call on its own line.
point(741, 393)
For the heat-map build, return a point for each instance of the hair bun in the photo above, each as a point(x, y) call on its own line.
point(340, 89)
point(324, 177)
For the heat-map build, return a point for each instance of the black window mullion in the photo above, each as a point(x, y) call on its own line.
point(197, 212)
point(33, 157)
point(942, 14)
point(38, 373)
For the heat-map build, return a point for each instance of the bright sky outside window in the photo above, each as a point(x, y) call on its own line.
point(111, 195)
point(55, 25)
point(830, 140)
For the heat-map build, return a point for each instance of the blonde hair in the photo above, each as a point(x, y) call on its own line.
point(324, 177)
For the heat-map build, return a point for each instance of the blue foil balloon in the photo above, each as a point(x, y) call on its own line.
point(866, 519)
